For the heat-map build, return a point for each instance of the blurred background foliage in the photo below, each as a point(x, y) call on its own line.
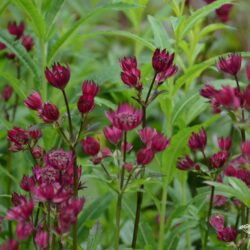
point(91, 37)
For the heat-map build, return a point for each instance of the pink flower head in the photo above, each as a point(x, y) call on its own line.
point(2, 46)
point(144, 156)
point(227, 234)
point(37, 152)
point(24, 230)
point(219, 200)
point(18, 199)
point(147, 134)
point(228, 98)
point(28, 43)
point(245, 149)
point(198, 141)
point(50, 192)
point(129, 147)
point(162, 60)
point(113, 134)
point(85, 103)
point(159, 142)
point(217, 222)
point(10, 55)
point(58, 76)
point(223, 12)
point(90, 88)
point(230, 171)
point(185, 163)
point(42, 239)
point(49, 113)
point(130, 74)
point(34, 101)
point(208, 91)
point(35, 133)
point(7, 93)
point(45, 174)
point(10, 245)
point(219, 159)
point(167, 73)
point(27, 183)
point(128, 166)
point(16, 29)
point(59, 159)
point(125, 118)
point(244, 175)
point(21, 212)
point(231, 64)
point(224, 143)
point(18, 136)
point(90, 146)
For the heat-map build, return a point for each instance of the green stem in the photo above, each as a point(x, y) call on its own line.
point(150, 88)
point(18, 75)
point(48, 225)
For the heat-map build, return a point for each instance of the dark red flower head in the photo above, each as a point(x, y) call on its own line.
point(27, 183)
point(130, 74)
point(113, 134)
point(246, 97)
point(90, 146)
point(58, 76)
point(162, 60)
point(219, 159)
point(223, 12)
point(198, 141)
point(231, 64)
point(185, 163)
point(159, 142)
point(224, 143)
point(10, 245)
point(144, 156)
point(217, 222)
point(227, 234)
point(7, 92)
point(49, 113)
point(16, 29)
point(86, 103)
point(90, 88)
point(2, 46)
point(245, 149)
point(18, 199)
point(208, 91)
point(34, 101)
point(28, 43)
point(35, 133)
point(18, 136)
point(42, 239)
point(125, 118)
point(24, 230)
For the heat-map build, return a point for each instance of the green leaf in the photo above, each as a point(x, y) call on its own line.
point(94, 237)
point(4, 6)
point(201, 13)
point(94, 211)
point(6, 172)
point(66, 36)
point(160, 33)
point(34, 14)
point(214, 27)
point(20, 52)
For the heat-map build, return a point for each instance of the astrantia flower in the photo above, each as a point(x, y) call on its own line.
point(34, 101)
point(219, 200)
point(49, 113)
point(147, 134)
point(162, 60)
point(126, 117)
point(7, 93)
point(2, 46)
point(248, 72)
point(208, 91)
point(198, 141)
point(42, 239)
point(18, 199)
point(16, 29)
point(24, 230)
point(223, 12)
point(227, 234)
point(246, 96)
point(167, 73)
point(130, 74)
point(10, 245)
point(113, 134)
point(90, 146)
point(59, 159)
point(185, 163)
point(159, 142)
point(224, 143)
point(245, 149)
point(85, 104)
point(18, 136)
point(144, 156)
point(217, 222)
point(90, 88)
point(219, 159)
point(27, 183)
point(230, 64)
point(35, 133)
point(58, 76)
point(27, 42)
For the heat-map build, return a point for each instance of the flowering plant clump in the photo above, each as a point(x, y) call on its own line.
point(126, 132)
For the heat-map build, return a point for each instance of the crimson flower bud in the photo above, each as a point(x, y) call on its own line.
point(18, 199)
point(7, 92)
point(2, 46)
point(27, 183)
point(219, 159)
point(16, 29)
point(167, 73)
point(42, 239)
point(35, 133)
point(18, 136)
point(198, 141)
point(245, 149)
point(85, 104)
point(128, 166)
point(129, 147)
point(219, 200)
point(34, 101)
point(37, 152)
point(208, 91)
point(90, 88)
point(162, 60)
point(227, 234)
point(185, 163)
point(58, 76)
point(224, 143)
point(230, 171)
point(11, 55)
point(27, 42)
point(90, 146)
point(113, 134)
point(49, 113)
point(159, 142)
point(144, 156)
point(217, 222)
point(223, 12)
point(24, 230)
point(231, 64)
